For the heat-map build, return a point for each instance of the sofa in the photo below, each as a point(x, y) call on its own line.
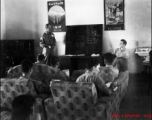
point(41, 72)
point(79, 101)
point(11, 88)
point(122, 79)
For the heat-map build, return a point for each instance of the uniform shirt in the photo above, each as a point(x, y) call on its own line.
point(91, 76)
point(119, 52)
point(114, 70)
point(35, 87)
point(59, 74)
point(48, 40)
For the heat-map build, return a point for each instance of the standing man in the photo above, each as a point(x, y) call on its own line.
point(121, 56)
point(47, 42)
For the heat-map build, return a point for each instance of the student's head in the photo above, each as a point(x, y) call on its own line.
point(108, 58)
point(40, 58)
point(123, 43)
point(48, 27)
point(22, 107)
point(90, 64)
point(55, 61)
point(26, 66)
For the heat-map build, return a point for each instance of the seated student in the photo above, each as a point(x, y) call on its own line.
point(122, 56)
point(109, 72)
point(40, 59)
point(59, 74)
point(35, 87)
point(91, 75)
point(22, 109)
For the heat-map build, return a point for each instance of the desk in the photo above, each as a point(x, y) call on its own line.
point(76, 62)
point(148, 64)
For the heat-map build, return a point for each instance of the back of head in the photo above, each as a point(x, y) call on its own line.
point(90, 64)
point(26, 65)
point(22, 107)
point(40, 57)
point(109, 57)
point(54, 60)
point(124, 41)
point(47, 25)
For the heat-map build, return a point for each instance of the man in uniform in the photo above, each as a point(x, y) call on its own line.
point(47, 42)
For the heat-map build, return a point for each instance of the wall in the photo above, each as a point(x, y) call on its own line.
point(137, 32)
point(26, 20)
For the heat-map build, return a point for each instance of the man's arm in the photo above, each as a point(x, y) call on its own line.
point(99, 82)
point(54, 41)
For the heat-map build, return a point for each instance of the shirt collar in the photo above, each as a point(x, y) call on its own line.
point(109, 65)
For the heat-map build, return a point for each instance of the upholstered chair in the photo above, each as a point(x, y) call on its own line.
point(79, 101)
point(11, 88)
point(41, 72)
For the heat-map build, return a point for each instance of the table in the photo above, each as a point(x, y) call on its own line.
point(76, 62)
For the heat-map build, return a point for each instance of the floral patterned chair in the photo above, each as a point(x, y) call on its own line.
point(123, 79)
point(11, 88)
point(79, 101)
point(41, 72)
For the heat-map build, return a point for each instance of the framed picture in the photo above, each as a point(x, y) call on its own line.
point(114, 14)
point(56, 15)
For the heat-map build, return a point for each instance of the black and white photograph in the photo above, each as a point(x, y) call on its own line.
point(75, 60)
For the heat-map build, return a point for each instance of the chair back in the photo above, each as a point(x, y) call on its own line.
point(41, 72)
point(73, 101)
point(9, 89)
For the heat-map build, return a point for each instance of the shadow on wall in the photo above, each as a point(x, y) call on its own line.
point(135, 62)
point(106, 45)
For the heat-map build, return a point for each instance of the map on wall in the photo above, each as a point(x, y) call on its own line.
point(56, 15)
point(84, 39)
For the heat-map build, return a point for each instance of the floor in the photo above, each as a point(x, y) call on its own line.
point(136, 105)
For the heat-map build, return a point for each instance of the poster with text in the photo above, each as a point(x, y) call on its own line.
point(114, 14)
point(56, 15)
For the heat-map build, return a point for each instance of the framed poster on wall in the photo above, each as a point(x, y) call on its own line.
point(114, 14)
point(56, 15)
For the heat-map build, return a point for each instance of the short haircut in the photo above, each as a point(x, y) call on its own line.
point(54, 60)
point(26, 65)
point(109, 57)
point(22, 106)
point(47, 25)
point(90, 63)
point(40, 57)
point(124, 41)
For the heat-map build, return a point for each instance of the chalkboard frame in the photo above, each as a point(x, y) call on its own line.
point(84, 39)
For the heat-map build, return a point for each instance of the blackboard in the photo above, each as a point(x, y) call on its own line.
point(84, 39)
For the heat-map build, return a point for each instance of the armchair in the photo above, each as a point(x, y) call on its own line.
point(11, 88)
point(79, 101)
point(40, 72)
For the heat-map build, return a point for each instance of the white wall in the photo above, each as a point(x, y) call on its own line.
point(3, 25)
point(82, 12)
point(137, 31)
point(25, 19)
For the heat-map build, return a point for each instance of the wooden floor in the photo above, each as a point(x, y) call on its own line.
point(137, 104)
